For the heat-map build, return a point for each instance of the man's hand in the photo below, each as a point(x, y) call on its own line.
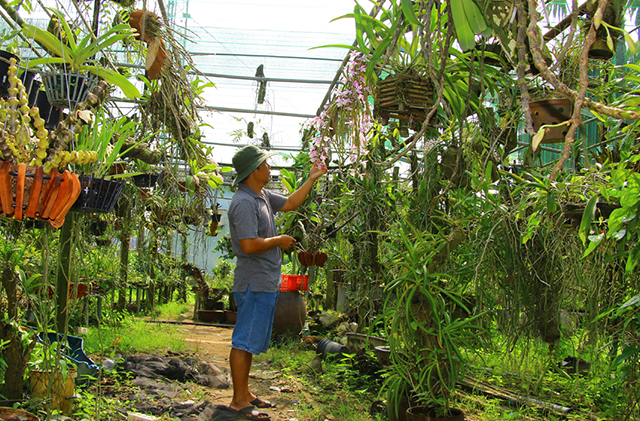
point(297, 197)
point(286, 242)
point(317, 171)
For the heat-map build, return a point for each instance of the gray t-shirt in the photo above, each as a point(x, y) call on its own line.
point(251, 216)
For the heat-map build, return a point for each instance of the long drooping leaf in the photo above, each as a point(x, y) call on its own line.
point(115, 78)
point(407, 10)
point(48, 41)
point(587, 219)
point(357, 14)
point(466, 36)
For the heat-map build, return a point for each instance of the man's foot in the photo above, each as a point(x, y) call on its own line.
point(251, 413)
point(262, 404)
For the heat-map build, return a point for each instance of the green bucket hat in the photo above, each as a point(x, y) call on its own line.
point(246, 160)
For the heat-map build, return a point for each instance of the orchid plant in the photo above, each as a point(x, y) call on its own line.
point(345, 122)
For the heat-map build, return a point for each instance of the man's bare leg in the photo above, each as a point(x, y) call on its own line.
point(240, 362)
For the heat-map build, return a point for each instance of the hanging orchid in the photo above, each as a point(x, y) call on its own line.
point(344, 124)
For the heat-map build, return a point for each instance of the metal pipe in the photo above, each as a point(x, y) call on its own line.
point(252, 78)
point(265, 56)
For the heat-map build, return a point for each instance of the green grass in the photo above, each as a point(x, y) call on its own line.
point(341, 392)
point(134, 336)
point(174, 311)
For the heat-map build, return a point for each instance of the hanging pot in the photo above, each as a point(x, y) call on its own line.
point(156, 58)
point(144, 18)
point(99, 195)
point(422, 413)
point(613, 16)
point(25, 191)
point(599, 50)
point(312, 258)
point(551, 111)
point(147, 179)
point(98, 227)
point(65, 89)
point(213, 228)
point(403, 96)
point(48, 112)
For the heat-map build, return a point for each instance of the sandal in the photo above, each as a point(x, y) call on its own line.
point(251, 413)
point(262, 404)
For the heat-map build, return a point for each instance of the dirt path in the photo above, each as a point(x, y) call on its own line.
point(213, 344)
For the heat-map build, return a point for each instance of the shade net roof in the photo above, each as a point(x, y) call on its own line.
point(228, 40)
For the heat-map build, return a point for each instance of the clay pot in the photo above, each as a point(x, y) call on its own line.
point(210, 316)
point(150, 23)
point(551, 111)
point(62, 389)
point(231, 316)
point(291, 313)
point(156, 58)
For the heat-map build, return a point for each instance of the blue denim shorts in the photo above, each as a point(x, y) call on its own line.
point(252, 332)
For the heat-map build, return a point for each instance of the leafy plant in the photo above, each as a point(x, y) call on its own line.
point(105, 141)
point(426, 341)
point(78, 55)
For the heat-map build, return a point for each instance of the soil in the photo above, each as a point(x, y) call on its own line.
point(213, 344)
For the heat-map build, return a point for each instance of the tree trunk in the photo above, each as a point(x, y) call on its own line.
point(15, 353)
point(125, 245)
point(64, 273)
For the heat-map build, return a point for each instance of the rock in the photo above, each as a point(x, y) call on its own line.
point(315, 365)
point(208, 368)
point(327, 318)
point(264, 375)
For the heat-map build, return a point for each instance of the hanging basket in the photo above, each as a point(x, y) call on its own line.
point(65, 89)
point(25, 191)
point(99, 195)
point(403, 96)
point(312, 258)
point(551, 111)
point(147, 179)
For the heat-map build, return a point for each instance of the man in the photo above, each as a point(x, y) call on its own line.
point(257, 275)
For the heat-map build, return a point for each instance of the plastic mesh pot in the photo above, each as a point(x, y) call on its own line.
point(98, 195)
point(66, 89)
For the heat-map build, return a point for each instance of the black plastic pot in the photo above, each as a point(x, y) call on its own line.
point(147, 180)
point(327, 347)
point(48, 113)
point(98, 195)
point(31, 86)
point(5, 56)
